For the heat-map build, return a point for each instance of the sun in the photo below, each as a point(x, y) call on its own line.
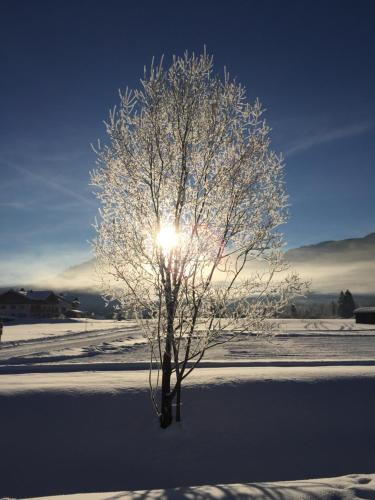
point(167, 238)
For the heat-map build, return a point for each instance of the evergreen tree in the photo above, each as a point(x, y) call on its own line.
point(346, 305)
point(349, 304)
point(341, 305)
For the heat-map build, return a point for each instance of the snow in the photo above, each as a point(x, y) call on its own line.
point(350, 487)
point(257, 410)
point(216, 375)
point(38, 294)
point(24, 331)
point(95, 431)
point(118, 347)
point(364, 309)
point(106, 342)
point(322, 327)
point(51, 328)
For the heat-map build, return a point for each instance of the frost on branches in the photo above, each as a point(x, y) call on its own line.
point(191, 195)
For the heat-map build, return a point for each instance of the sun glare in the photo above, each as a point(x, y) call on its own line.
point(167, 238)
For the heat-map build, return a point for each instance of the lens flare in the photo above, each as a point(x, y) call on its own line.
point(167, 238)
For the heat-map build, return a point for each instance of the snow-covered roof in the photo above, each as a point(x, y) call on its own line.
point(365, 310)
point(45, 294)
point(39, 294)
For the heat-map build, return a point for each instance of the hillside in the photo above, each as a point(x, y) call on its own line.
point(330, 265)
point(335, 265)
point(345, 251)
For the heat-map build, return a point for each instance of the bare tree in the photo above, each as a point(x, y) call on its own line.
point(191, 196)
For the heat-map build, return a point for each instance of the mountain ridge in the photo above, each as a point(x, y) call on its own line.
point(331, 265)
point(362, 248)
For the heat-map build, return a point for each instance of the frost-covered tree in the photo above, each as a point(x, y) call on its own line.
point(191, 198)
point(293, 311)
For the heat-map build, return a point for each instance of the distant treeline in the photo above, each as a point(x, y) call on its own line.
point(340, 305)
point(321, 306)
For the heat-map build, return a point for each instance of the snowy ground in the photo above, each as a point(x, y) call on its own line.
point(28, 330)
point(25, 331)
point(69, 430)
point(121, 342)
point(322, 326)
point(96, 431)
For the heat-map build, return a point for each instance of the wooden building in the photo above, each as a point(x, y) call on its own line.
point(365, 315)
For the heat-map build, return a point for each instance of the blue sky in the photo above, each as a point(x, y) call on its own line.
point(311, 64)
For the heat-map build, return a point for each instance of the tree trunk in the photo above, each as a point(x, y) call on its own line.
point(178, 403)
point(166, 416)
point(166, 402)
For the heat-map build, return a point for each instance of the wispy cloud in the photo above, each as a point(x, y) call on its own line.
point(51, 184)
point(327, 136)
point(18, 205)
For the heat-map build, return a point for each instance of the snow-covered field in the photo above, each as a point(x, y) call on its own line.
point(52, 328)
point(324, 326)
point(96, 431)
point(295, 341)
